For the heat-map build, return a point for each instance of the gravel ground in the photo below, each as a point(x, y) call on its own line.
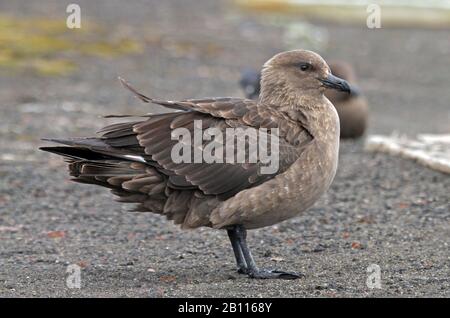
point(380, 210)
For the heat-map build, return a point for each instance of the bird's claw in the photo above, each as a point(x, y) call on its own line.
point(243, 270)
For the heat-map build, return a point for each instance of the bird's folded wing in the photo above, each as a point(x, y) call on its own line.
point(154, 139)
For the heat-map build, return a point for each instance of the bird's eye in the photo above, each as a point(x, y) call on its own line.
point(305, 66)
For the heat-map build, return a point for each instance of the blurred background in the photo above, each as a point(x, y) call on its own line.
point(56, 81)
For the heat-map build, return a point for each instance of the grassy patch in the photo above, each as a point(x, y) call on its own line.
point(48, 47)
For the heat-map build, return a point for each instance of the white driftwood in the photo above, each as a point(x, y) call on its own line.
point(432, 151)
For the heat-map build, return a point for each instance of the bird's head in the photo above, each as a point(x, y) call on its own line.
point(298, 72)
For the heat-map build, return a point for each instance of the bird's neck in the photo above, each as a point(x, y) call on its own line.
point(297, 105)
point(278, 92)
point(313, 111)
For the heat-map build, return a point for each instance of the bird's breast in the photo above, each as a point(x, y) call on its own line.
point(293, 191)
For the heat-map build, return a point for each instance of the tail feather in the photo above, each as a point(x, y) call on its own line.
point(96, 149)
point(90, 142)
point(115, 160)
point(75, 153)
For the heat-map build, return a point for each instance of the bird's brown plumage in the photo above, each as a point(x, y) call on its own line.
point(133, 159)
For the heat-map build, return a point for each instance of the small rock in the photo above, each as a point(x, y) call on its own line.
point(56, 234)
point(356, 246)
point(321, 287)
point(267, 253)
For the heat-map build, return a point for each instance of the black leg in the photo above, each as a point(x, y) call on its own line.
point(240, 261)
point(252, 270)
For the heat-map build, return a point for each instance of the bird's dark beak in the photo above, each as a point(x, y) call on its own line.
point(354, 90)
point(335, 82)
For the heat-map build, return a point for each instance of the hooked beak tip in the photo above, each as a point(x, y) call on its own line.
point(337, 83)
